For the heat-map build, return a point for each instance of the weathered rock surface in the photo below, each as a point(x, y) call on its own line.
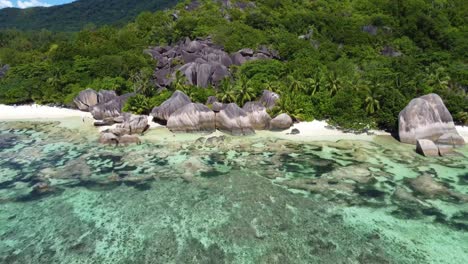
point(133, 124)
point(201, 61)
point(269, 99)
point(3, 70)
point(86, 99)
point(110, 109)
point(452, 139)
point(162, 113)
point(427, 117)
point(427, 148)
point(108, 138)
point(281, 122)
point(259, 118)
point(193, 117)
point(233, 120)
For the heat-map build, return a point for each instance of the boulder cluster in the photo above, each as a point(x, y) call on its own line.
point(180, 114)
point(106, 108)
point(200, 61)
point(428, 124)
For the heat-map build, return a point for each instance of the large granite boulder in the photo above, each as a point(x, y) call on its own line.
point(427, 148)
point(110, 109)
point(258, 116)
point(162, 113)
point(86, 99)
point(193, 117)
point(233, 120)
point(269, 99)
point(133, 124)
point(427, 117)
point(281, 122)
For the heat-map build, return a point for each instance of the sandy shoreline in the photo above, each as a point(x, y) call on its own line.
point(315, 130)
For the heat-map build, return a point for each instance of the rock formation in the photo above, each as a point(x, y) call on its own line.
point(427, 148)
point(162, 113)
point(281, 122)
point(86, 99)
point(269, 99)
point(233, 120)
point(200, 61)
point(427, 117)
point(111, 108)
point(192, 118)
point(258, 116)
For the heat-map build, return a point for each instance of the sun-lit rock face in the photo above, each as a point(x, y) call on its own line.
point(259, 118)
point(164, 111)
point(427, 117)
point(281, 122)
point(88, 98)
point(233, 120)
point(192, 117)
point(109, 109)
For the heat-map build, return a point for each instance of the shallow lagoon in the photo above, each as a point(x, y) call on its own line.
point(260, 199)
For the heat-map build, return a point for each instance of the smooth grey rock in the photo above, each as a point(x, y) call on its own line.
point(281, 122)
point(175, 102)
point(259, 118)
point(133, 124)
point(233, 120)
point(453, 139)
point(203, 75)
point(108, 138)
point(295, 131)
point(129, 139)
point(269, 99)
point(427, 148)
point(192, 117)
point(238, 59)
point(425, 117)
point(246, 52)
point(106, 96)
point(112, 108)
point(445, 150)
point(86, 99)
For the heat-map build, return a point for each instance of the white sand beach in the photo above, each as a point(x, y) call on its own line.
point(34, 112)
point(315, 130)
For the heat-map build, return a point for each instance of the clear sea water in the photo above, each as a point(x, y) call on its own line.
point(226, 200)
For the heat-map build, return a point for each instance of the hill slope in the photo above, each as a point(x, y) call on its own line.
point(73, 16)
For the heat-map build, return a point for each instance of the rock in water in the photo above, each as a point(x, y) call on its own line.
point(281, 122)
point(162, 113)
point(108, 138)
point(129, 139)
point(233, 120)
point(427, 148)
point(427, 117)
point(133, 124)
point(259, 118)
point(192, 118)
point(86, 99)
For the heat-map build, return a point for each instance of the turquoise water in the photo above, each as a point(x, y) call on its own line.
point(66, 199)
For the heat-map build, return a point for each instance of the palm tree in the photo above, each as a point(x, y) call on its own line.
point(226, 93)
point(295, 85)
point(179, 82)
point(372, 99)
point(333, 83)
point(244, 91)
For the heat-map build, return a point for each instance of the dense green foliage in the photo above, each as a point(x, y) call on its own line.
point(337, 71)
point(74, 16)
